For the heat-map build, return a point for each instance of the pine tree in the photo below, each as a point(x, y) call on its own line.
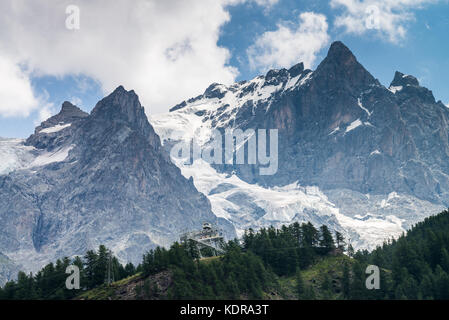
point(340, 241)
point(310, 235)
point(346, 281)
point(350, 250)
point(192, 249)
point(426, 288)
point(326, 241)
point(357, 288)
point(441, 280)
point(90, 261)
point(444, 260)
point(182, 288)
point(101, 266)
point(23, 286)
point(130, 269)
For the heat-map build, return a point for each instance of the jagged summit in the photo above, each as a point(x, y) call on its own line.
point(406, 86)
point(214, 91)
point(101, 179)
point(401, 79)
point(44, 135)
point(119, 100)
point(69, 108)
point(122, 114)
point(119, 110)
point(368, 149)
point(339, 51)
point(339, 56)
point(121, 105)
point(296, 70)
point(68, 114)
point(341, 68)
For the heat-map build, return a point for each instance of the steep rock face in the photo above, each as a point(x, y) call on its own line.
point(48, 134)
point(378, 156)
point(343, 129)
point(102, 180)
point(367, 160)
point(8, 270)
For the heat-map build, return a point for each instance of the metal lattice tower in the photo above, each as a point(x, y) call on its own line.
point(209, 237)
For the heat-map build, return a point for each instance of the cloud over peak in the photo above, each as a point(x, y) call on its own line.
point(387, 18)
point(290, 43)
point(165, 50)
point(16, 94)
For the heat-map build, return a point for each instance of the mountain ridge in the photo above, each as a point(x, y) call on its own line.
point(375, 167)
point(367, 160)
point(101, 179)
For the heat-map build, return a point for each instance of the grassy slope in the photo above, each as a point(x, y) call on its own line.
point(105, 292)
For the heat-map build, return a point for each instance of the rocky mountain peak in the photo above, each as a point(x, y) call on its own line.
point(119, 116)
point(401, 79)
point(45, 135)
point(341, 68)
point(103, 179)
point(69, 113)
point(407, 86)
point(214, 91)
point(119, 102)
point(339, 52)
point(122, 106)
point(70, 110)
point(276, 76)
point(296, 70)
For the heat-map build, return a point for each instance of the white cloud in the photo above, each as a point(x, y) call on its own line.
point(46, 109)
point(16, 94)
point(45, 112)
point(290, 43)
point(388, 18)
point(76, 101)
point(165, 50)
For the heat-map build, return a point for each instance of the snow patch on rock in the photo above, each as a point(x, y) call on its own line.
point(55, 129)
point(51, 157)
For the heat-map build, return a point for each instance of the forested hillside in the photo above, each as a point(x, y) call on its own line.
point(418, 261)
point(50, 282)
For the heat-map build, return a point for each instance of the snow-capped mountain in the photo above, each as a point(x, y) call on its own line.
point(83, 180)
point(365, 159)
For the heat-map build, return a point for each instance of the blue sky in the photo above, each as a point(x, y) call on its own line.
point(223, 43)
point(424, 52)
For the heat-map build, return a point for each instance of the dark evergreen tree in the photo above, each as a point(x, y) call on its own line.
point(346, 281)
point(340, 241)
point(326, 241)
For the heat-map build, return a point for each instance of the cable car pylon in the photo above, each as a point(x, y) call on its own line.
point(208, 237)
